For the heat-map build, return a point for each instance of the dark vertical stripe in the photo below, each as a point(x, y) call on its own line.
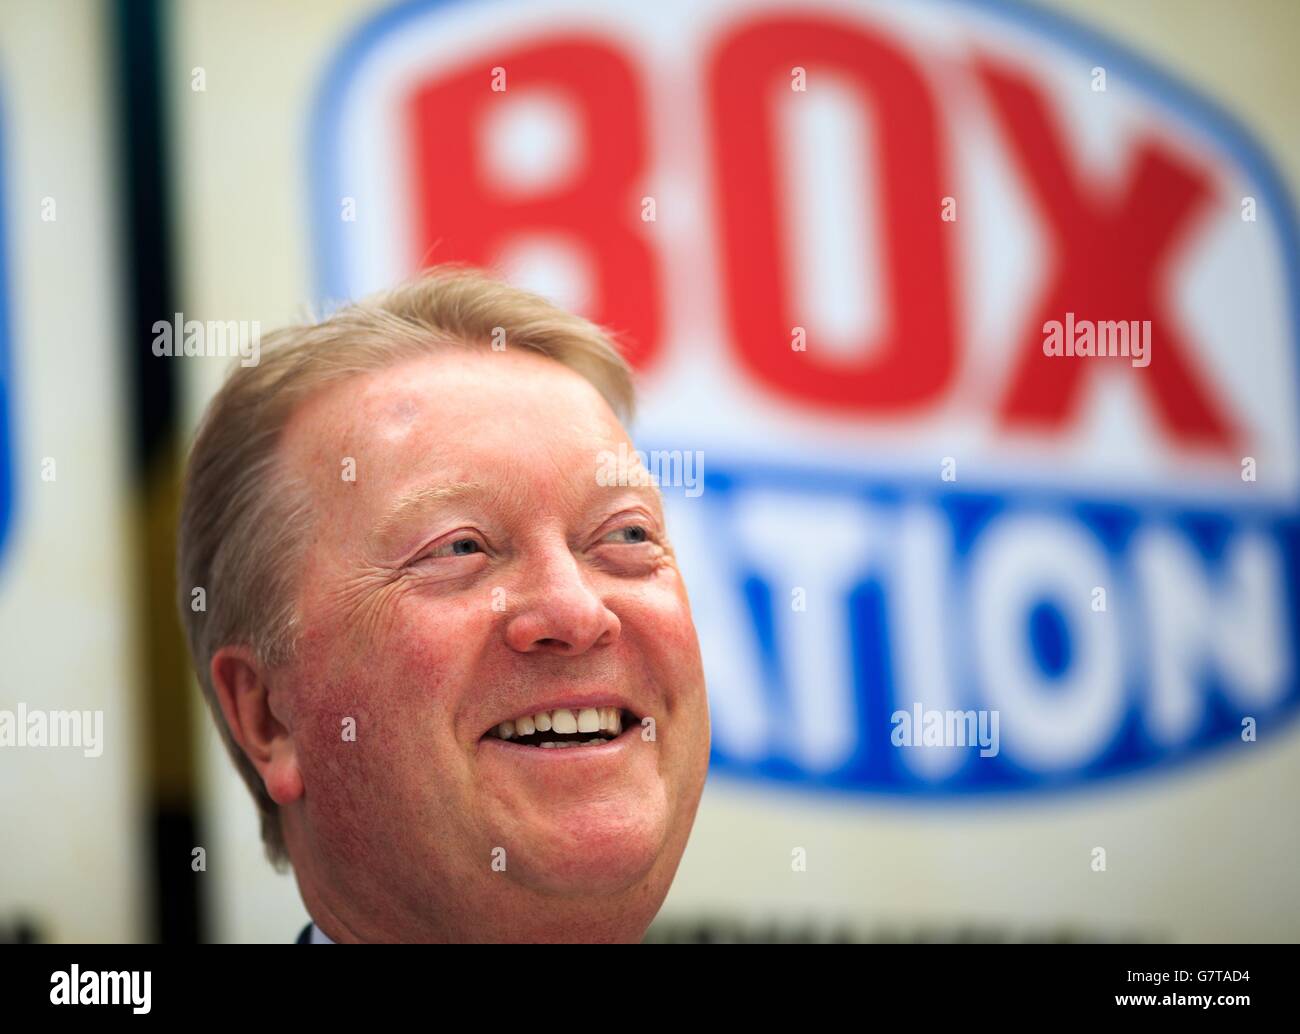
point(148, 284)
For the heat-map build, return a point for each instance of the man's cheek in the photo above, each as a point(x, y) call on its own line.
point(405, 665)
point(659, 621)
point(340, 716)
point(370, 769)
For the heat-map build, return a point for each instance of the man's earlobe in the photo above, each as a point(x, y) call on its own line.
point(239, 683)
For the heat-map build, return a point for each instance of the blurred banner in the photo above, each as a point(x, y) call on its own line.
point(999, 632)
point(72, 828)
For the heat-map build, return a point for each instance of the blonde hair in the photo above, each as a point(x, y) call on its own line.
point(243, 518)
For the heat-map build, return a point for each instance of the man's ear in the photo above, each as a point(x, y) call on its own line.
point(239, 681)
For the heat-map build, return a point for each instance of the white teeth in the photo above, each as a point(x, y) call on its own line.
point(550, 743)
point(564, 720)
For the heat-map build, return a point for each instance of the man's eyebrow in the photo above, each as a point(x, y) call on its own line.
point(652, 493)
point(416, 500)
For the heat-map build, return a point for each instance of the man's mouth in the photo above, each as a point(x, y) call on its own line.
point(565, 727)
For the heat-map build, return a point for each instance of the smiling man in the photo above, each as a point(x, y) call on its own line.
point(455, 667)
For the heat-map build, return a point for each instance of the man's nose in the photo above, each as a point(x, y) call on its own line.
point(558, 611)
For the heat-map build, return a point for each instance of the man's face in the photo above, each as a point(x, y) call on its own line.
point(475, 571)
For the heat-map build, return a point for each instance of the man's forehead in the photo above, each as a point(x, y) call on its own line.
point(452, 403)
point(398, 448)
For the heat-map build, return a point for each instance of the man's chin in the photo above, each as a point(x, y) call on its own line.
point(593, 849)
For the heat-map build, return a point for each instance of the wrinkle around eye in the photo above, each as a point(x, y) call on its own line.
point(366, 603)
point(633, 558)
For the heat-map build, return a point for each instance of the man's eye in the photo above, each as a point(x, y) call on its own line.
point(631, 535)
point(457, 547)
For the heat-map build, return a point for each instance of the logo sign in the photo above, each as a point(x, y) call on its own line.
point(984, 330)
